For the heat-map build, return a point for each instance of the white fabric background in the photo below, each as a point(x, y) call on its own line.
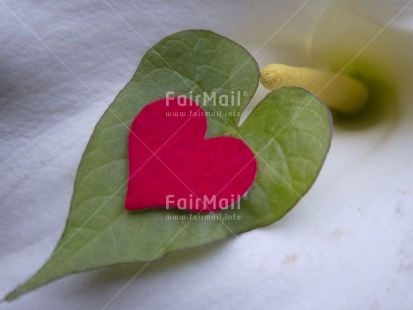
point(346, 245)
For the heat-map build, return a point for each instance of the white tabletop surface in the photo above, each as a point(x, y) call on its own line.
point(348, 244)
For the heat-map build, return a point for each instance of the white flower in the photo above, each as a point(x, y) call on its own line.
point(347, 245)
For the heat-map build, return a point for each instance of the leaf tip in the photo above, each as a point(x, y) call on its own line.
point(13, 294)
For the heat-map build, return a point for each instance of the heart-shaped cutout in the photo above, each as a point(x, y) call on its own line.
point(172, 165)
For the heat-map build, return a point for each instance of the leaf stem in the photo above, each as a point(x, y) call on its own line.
point(339, 92)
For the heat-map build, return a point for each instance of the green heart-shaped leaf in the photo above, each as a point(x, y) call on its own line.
point(289, 132)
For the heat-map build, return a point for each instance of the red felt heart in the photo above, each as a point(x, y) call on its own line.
point(172, 164)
